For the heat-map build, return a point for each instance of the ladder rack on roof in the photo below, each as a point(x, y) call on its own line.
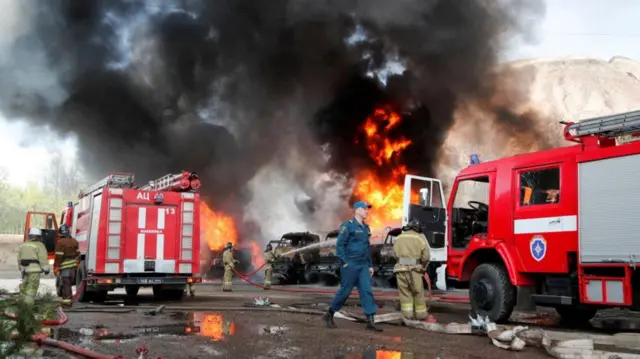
point(621, 124)
point(184, 181)
point(113, 180)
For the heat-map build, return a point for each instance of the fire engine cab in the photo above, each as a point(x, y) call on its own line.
point(134, 237)
point(556, 228)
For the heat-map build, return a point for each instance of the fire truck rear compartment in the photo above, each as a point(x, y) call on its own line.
point(609, 197)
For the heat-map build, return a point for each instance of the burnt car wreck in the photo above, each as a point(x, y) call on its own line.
point(291, 268)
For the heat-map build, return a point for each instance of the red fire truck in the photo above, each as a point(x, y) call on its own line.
point(554, 228)
point(132, 236)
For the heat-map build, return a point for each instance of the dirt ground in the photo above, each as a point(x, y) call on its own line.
point(251, 334)
point(266, 335)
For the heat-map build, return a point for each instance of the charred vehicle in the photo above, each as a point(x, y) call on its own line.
point(291, 268)
point(326, 268)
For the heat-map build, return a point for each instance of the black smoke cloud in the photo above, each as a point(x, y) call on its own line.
point(222, 87)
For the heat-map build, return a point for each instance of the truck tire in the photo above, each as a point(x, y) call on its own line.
point(84, 296)
point(573, 316)
point(132, 290)
point(491, 293)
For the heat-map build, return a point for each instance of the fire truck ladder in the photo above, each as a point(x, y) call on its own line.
point(171, 181)
point(621, 124)
point(118, 180)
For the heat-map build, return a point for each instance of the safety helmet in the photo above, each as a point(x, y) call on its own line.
point(415, 225)
point(229, 245)
point(64, 230)
point(35, 232)
point(269, 247)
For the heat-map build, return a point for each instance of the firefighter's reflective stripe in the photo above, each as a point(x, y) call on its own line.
point(69, 264)
point(59, 253)
point(407, 309)
point(421, 308)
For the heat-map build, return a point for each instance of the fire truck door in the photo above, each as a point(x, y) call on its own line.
point(151, 239)
point(542, 222)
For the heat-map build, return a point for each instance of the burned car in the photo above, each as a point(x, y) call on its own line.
point(291, 268)
point(326, 268)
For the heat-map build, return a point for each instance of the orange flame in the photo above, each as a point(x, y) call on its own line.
point(216, 228)
point(214, 326)
point(384, 195)
point(257, 256)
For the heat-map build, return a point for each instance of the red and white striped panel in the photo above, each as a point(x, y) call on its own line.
point(146, 234)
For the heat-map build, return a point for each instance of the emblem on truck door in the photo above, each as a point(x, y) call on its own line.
point(538, 247)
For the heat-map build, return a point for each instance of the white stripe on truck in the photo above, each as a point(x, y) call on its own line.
point(142, 217)
point(140, 249)
point(159, 246)
point(161, 213)
point(545, 225)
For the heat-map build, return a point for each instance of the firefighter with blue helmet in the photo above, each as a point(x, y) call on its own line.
point(356, 269)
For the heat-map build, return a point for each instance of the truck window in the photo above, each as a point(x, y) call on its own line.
point(540, 187)
point(470, 212)
point(472, 190)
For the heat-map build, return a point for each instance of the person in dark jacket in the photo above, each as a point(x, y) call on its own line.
point(356, 269)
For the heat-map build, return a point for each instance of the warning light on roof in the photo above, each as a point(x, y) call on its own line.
point(474, 159)
point(159, 198)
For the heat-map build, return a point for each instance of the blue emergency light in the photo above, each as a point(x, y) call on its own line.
point(474, 159)
point(159, 198)
point(69, 204)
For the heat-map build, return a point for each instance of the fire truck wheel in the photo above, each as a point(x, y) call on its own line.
point(573, 316)
point(132, 290)
point(491, 292)
point(84, 296)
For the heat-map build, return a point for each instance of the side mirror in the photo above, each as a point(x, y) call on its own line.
point(424, 196)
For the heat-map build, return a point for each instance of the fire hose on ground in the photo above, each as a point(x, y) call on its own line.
point(444, 298)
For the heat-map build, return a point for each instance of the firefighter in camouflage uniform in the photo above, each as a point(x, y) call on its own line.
point(269, 257)
point(229, 263)
point(32, 261)
point(413, 253)
point(66, 263)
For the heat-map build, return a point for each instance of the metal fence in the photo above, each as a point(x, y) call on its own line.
point(12, 228)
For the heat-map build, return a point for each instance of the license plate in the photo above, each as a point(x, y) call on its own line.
point(150, 280)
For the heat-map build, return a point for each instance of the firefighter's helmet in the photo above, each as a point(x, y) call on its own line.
point(415, 225)
point(33, 232)
point(229, 245)
point(269, 248)
point(64, 230)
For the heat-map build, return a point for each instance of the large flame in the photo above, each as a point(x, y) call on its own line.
point(384, 195)
point(216, 228)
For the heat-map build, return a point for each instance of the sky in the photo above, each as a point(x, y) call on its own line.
point(592, 28)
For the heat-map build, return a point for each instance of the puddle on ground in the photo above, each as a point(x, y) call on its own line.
point(388, 354)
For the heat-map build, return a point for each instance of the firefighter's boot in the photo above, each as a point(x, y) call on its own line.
point(328, 319)
point(371, 324)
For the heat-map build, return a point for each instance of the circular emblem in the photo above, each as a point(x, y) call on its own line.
point(538, 247)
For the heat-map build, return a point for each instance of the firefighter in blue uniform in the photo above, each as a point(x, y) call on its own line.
point(356, 269)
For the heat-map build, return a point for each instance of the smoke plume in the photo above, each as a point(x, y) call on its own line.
point(262, 98)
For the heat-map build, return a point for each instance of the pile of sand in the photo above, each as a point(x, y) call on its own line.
point(549, 91)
